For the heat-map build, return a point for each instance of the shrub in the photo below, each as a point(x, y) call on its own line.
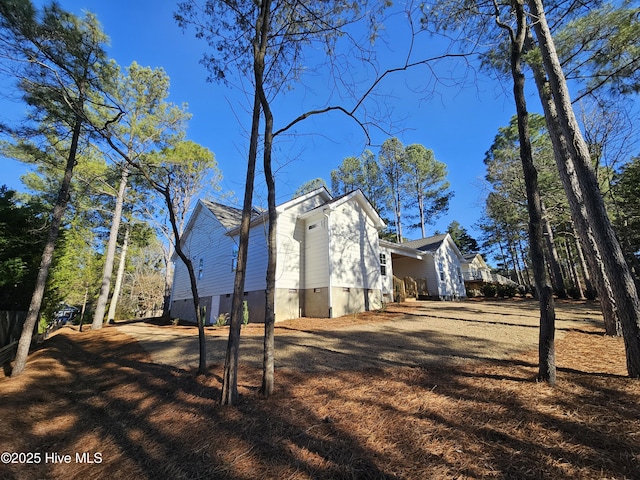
point(489, 290)
point(507, 291)
point(222, 319)
point(42, 325)
point(473, 292)
point(245, 312)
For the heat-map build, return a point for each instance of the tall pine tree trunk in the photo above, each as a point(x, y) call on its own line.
point(622, 284)
point(422, 219)
point(105, 287)
point(588, 284)
point(111, 315)
point(519, 278)
point(202, 345)
point(573, 270)
point(593, 266)
point(523, 261)
point(168, 281)
point(230, 375)
point(47, 255)
point(268, 365)
point(398, 215)
point(554, 261)
point(546, 346)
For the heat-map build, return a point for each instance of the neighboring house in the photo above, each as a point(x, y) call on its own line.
point(476, 272)
point(328, 258)
point(475, 269)
point(436, 259)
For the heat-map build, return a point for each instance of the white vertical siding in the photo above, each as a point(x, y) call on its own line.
point(355, 252)
point(290, 251)
point(291, 244)
point(316, 252)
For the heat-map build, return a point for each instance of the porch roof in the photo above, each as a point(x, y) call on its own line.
point(402, 250)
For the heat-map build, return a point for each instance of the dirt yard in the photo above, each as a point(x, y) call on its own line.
point(409, 334)
point(421, 391)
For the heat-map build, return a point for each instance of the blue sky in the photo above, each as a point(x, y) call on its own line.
point(458, 124)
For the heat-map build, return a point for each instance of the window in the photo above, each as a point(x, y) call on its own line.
point(200, 268)
point(234, 259)
point(441, 269)
point(460, 276)
point(383, 264)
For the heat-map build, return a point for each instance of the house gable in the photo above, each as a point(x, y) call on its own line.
point(203, 241)
point(328, 255)
point(448, 263)
point(341, 261)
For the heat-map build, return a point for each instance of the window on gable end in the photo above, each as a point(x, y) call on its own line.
point(200, 268)
point(234, 259)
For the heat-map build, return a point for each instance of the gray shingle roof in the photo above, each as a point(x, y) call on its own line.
point(229, 217)
point(428, 244)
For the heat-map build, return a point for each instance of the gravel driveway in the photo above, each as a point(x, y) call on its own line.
point(409, 334)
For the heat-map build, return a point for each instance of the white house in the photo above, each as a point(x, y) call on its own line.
point(475, 269)
point(330, 261)
point(476, 272)
point(436, 259)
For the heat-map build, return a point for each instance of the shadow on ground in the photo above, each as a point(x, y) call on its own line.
point(98, 393)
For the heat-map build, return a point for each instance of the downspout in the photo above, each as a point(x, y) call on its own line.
point(326, 213)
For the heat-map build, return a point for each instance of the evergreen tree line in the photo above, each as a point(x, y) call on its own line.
point(504, 221)
point(407, 186)
point(112, 173)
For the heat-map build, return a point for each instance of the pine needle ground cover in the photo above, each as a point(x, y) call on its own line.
point(96, 405)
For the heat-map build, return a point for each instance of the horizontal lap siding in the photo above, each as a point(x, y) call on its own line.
point(414, 268)
point(256, 275)
point(451, 286)
point(206, 240)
